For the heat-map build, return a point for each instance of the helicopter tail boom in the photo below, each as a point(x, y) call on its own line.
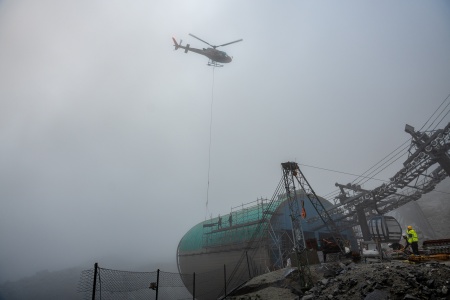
point(176, 44)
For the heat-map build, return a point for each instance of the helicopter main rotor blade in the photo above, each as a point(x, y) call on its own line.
point(230, 43)
point(202, 40)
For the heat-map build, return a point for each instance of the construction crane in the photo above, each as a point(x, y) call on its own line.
point(292, 176)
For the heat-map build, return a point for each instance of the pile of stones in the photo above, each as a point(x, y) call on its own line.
point(378, 281)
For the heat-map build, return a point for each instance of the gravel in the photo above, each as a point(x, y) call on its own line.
point(390, 280)
point(354, 281)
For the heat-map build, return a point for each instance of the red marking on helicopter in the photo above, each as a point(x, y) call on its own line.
point(215, 56)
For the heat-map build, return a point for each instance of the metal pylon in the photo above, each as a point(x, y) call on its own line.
point(289, 172)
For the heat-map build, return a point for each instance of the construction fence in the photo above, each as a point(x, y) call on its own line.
point(107, 284)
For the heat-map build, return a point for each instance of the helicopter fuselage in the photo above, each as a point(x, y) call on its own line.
point(213, 54)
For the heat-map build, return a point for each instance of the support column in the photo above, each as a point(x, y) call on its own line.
point(362, 221)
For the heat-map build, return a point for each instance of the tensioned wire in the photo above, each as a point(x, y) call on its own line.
point(370, 175)
point(437, 116)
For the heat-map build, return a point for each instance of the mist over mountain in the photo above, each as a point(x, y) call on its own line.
point(44, 285)
point(63, 284)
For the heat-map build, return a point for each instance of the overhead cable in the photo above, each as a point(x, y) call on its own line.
point(434, 113)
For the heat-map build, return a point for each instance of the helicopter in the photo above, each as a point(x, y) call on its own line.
point(216, 57)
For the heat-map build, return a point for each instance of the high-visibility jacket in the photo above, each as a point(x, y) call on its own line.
point(412, 236)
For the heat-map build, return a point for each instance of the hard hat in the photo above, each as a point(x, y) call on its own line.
point(409, 227)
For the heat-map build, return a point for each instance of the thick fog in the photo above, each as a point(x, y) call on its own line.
point(107, 135)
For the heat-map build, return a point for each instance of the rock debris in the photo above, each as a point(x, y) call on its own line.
point(355, 281)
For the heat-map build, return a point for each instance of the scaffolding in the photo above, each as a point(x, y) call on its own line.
point(237, 227)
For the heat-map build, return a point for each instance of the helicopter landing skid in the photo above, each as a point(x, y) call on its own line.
point(213, 63)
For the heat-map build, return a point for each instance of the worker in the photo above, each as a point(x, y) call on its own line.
point(219, 223)
point(413, 240)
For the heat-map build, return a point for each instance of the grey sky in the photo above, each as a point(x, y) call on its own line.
point(104, 129)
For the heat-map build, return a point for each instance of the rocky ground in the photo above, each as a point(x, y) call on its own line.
point(350, 281)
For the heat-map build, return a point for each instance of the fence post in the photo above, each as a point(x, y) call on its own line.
point(193, 289)
point(157, 284)
point(225, 279)
point(95, 281)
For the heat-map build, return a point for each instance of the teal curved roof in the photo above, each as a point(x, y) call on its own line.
point(244, 224)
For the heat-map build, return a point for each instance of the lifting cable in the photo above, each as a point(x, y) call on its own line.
point(210, 135)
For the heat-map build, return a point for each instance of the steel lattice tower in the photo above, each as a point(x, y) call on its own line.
point(289, 172)
point(417, 177)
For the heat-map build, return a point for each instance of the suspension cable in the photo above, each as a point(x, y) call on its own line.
point(434, 114)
